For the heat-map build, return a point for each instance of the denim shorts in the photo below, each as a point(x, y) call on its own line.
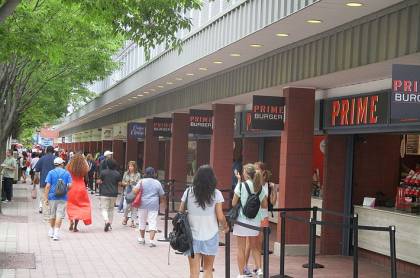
point(205, 247)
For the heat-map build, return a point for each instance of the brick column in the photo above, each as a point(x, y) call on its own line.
point(85, 146)
point(221, 148)
point(179, 149)
point(250, 150)
point(203, 152)
point(118, 150)
point(151, 147)
point(296, 161)
point(106, 145)
point(131, 150)
point(333, 192)
point(167, 158)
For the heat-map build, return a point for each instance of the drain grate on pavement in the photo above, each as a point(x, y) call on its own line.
point(13, 219)
point(21, 199)
point(17, 260)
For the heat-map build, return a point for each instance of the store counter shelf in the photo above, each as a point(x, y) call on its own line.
point(407, 232)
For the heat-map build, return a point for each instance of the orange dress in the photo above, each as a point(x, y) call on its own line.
point(78, 203)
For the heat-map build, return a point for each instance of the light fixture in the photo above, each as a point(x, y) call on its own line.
point(160, 86)
point(134, 97)
point(354, 4)
point(139, 95)
point(178, 78)
point(217, 62)
point(314, 21)
point(169, 83)
point(234, 55)
point(145, 92)
point(190, 74)
point(282, 35)
point(256, 45)
point(202, 69)
point(153, 90)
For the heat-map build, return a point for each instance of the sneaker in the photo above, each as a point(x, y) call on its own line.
point(152, 244)
point(107, 226)
point(4, 201)
point(40, 210)
point(141, 241)
point(51, 233)
point(247, 272)
point(259, 273)
point(55, 237)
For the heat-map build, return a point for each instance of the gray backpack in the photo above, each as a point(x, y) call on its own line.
point(60, 188)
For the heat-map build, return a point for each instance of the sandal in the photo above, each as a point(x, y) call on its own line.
point(125, 221)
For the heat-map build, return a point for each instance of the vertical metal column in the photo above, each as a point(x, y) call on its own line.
point(392, 250)
point(355, 246)
point(227, 254)
point(266, 262)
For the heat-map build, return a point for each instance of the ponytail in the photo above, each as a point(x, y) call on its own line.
point(257, 181)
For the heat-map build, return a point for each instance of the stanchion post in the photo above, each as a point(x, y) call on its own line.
point(393, 251)
point(227, 254)
point(311, 259)
point(355, 246)
point(282, 242)
point(315, 219)
point(166, 219)
point(266, 262)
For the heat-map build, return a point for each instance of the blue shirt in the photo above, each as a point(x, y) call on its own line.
point(152, 190)
point(44, 165)
point(52, 179)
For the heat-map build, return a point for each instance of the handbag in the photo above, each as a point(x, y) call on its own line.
point(233, 213)
point(137, 201)
point(33, 192)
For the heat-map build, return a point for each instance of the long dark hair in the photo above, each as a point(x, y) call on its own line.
point(204, 185)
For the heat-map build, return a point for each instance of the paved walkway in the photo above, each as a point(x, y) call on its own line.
point(94, 253)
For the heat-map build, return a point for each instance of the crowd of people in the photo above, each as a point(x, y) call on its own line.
point(64, 181)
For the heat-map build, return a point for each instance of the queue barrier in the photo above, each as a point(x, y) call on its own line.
point(312, 222)
point(266, 241)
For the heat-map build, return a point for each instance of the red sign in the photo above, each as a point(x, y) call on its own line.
point(360, 110)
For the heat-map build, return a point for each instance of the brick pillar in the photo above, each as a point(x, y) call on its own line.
point(85, 146)
point(151, 147)
point(333, 192)
point(91, 147)
point(179, 150)
point(203, 152)
point(118, 150)
point(221, 148)
point(131, 150)
point(106, 145)
point(250, 150)
point(167, 158)
point(296, 160)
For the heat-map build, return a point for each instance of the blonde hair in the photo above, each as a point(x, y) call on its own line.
point(255, 175)
point(132, 163)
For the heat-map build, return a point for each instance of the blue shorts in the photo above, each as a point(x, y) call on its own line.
point(205, 247)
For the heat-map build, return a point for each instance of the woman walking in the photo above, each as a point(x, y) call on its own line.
point(78, 204)
point(109, 180)
point(152, 191)
point(204, 204)
point(130, 179)
point(253, 182)
point(91, 173)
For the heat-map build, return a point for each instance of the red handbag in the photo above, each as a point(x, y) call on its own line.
point(137, 201)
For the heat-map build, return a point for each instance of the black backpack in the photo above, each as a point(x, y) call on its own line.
point(181, 238)
point(253, 204)
point(60, 188)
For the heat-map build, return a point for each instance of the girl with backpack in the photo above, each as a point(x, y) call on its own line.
point(204, 204)
point(249, 193)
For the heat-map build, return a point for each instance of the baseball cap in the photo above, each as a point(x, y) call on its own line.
point(58, 161)
point(106, 153)
point(150, 172)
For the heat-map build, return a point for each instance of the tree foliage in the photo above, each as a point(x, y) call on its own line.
point(48, 51)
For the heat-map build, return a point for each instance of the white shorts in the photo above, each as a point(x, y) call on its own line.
point(147, 216)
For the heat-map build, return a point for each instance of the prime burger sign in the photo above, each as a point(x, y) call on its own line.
point(356, 111)
point(405, 95)
point(267, 113)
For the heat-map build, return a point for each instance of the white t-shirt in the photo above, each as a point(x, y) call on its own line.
point(34, 161)
point(203, 222)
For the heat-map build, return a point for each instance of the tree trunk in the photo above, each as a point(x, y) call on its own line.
point(3, 146)
point(7, 9)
